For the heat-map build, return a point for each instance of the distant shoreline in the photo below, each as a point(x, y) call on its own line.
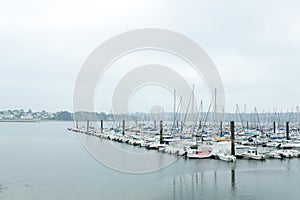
point(33, 121)
point(19, 120)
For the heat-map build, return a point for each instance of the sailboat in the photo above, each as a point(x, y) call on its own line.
point(226, 157)
point(198, 154)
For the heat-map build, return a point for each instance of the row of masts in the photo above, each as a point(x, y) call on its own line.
point(195, 119)
point(223, 126)
point(199, 127)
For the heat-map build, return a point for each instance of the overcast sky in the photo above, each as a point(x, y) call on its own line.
point(255, 46)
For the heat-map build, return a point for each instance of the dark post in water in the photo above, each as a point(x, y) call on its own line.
point(221, 127)
point(181, 126)
point(123, 127)
point(161, 132)
point(287, 131)
point(233, 179)
point(154, 124)
point(232, 138)
point(274, 127)
point(247, 125)
point(87, 125)
point(101, 126)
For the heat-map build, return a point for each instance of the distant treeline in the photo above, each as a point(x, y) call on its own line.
point(257, 118)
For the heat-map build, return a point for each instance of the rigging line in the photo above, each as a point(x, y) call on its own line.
point(199, 113)
point(274, 116)
point(188, 108)
point(239, 113)
point(290, 115)
point(177, 112)
point(258, 121)
point(207, 113)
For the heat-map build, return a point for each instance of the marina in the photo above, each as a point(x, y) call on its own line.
point(231, 144)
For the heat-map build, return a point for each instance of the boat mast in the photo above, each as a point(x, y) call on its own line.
point(215, 109)
point(193, 108)
point(187, 109)
point(258, 121)
point(174, 122)
point(240, 115)
point(298, 118)
point(201, 114)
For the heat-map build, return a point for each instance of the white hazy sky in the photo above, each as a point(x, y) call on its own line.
point(254, 44)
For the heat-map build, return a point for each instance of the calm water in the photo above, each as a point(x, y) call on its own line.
point(45, 161)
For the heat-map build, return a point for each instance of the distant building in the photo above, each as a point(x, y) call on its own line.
point(7, 115)
point(28, 116)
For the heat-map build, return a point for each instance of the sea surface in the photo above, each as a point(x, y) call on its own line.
point(45, 161)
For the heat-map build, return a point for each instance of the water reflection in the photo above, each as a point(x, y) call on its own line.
point(3, 188)
point(212, 184)
point(288, 164)
point(233, 179)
